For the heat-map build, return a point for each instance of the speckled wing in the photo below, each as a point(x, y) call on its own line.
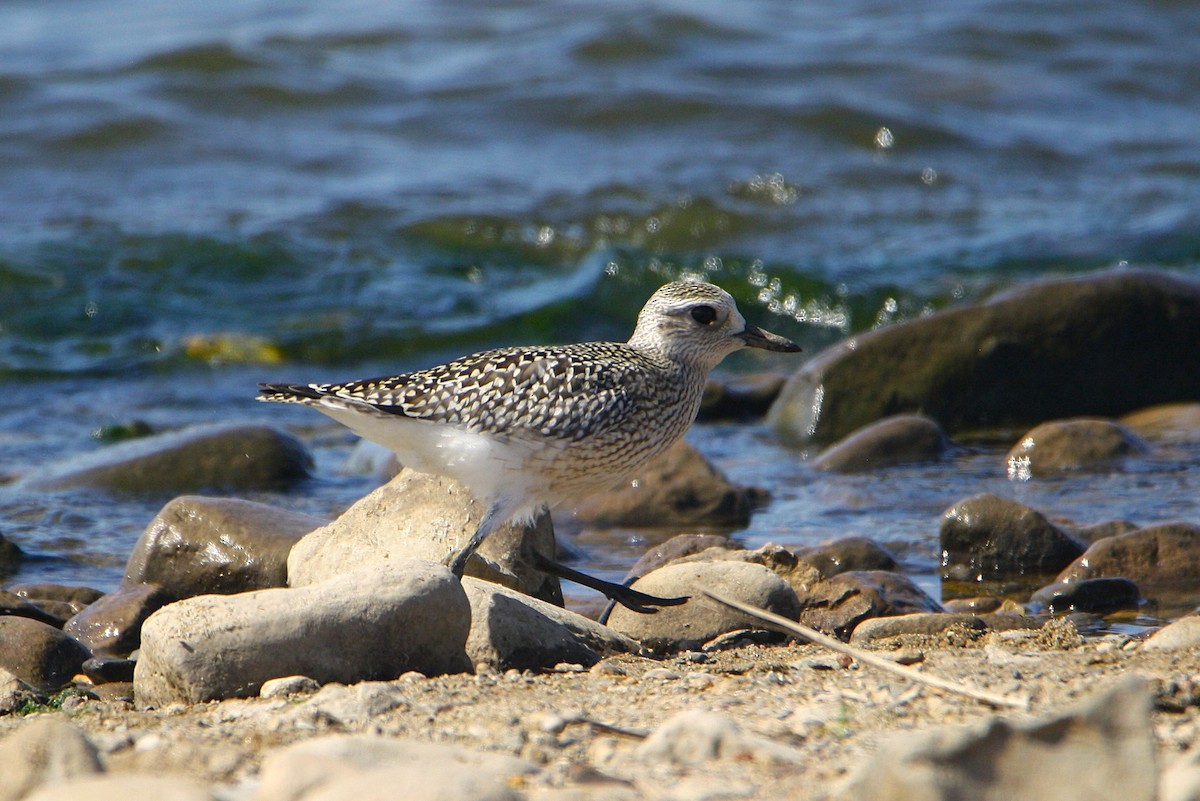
point(567, 392)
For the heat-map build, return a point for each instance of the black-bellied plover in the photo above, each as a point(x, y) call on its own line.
point(529, 428)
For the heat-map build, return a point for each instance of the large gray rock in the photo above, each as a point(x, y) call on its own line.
point(197, 458)
point(1072, 446)
point(43, 750)
point(417, 516)
point(900, 439)
point(374, 623)
point(39, 655)
point(1101, 345)
point(700, 619)
point(197, 545)
point(512, 630)
point(1103, 748)
point(989, 538)
point(677, 487)
point(367, 768)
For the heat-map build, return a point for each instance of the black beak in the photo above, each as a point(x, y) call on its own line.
point(755, 337)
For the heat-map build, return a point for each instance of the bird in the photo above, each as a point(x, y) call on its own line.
point(531, 428)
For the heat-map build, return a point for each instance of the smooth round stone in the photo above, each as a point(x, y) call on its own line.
point(902, 439)
point(1064, 446)
point(992, 538)
point(1096, 595)
point(849, 554)
point(1163, 561)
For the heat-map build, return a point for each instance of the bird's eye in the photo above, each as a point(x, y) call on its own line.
point(705, 315)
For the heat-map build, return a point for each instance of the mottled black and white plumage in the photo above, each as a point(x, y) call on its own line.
point(527, 428)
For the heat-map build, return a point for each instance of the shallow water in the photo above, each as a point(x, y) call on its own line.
point(196, 196)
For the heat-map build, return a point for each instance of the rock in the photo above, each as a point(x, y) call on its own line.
point(11, 604)
point(746, 397)
point(112, 626)
point(696, 736)
point(1097, 595)
point(104, 670)
point(289, 685)
point(43, 750)
point(14, 696)
point(79, 596)
point(1079, 445)
point(1102, 748)
point(838, 604)
point(1181, 779)
point(1103, 344)
point(679, 546)
point(416, 516)
point(374, 623)
point(849, 554)
point(976, 604)
point(989, 538)
point(241, 457)
point(351, 706)
point(512, 630)
point(369, 768)
point(1097, 531)
point(10, 554)
point(678, 487)
point(900, 439)
point(39, 655)
point(1174, 422)
point(699, 620)
point(197, 545)
point(123, 787)
point(1163, 561)
point(1179, 634)
point(934, 623)
point(782, 562)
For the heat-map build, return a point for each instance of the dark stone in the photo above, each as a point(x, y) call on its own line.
point(901, 439)
point(112, 626)
point(39, 655)
point(675, 548)
point(10, 554)
point(746, 397)
point(991, 538)
point(106, 669)
point(11, 604)
point(849, 554)
point(1170, 422)
point(1100, 345)
point(679, 486)
point(1163, 561)
point(1066, 446)
point(239, 457)
point(840, 603)
point(1097, 595)
point(978, 604)
point(197, 545)
point(82, 596)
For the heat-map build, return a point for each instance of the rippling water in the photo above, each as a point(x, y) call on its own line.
point(327, 190)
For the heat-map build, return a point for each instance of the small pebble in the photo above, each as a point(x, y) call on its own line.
point(412, 675)
point(568, 667)
point(698, 680)
point(908, 656)
point(664, 674)
point(552, 723)
point(607, 667)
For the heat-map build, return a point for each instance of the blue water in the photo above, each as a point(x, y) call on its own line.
point(198, 195)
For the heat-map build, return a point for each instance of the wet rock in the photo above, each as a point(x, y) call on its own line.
point(1102, 748)
point(1097, 595)
point(415, 615)
point(838, 604)
point(696, 736)
point(746, 397)
point(989, 538)
point(371, 768)
point(1045, 351)
point(699, 620)
point(849, 554)
point(677, 487)
point(112, 626)
point(900, 439)
point(934, 623)
point(1179, 634)
point(977, 604)
point(242, 457)
point(1163, 561)
point(677, 547)
point(10, 554)
point(416, 516)
point(1097, 531)
point(11, 604)
point(1171, 422)
point(512, 630)
point(46, 749)
point(64, 593)
point(198, 545)
point(1079, 445)
point(14, 695)
point(105, 670)
point(123, 787)
point(39, 655)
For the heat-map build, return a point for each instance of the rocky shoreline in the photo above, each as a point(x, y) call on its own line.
point(246, 641)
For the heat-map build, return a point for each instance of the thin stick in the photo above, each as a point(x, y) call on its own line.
point(869, 658)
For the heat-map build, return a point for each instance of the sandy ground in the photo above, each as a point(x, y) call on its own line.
point(587, 724)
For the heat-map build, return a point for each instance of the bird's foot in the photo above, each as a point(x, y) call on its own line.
point(622, 594)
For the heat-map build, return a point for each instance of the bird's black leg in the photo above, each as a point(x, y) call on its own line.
point(492, 518)
point(625, 596)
